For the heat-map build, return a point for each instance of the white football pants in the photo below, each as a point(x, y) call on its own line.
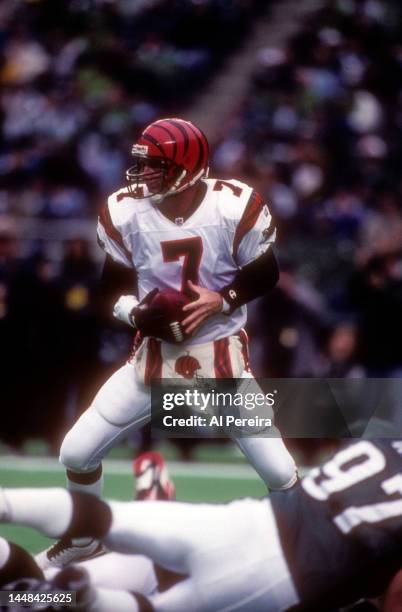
point(123, 404)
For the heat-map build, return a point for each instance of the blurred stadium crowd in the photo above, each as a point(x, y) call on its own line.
point(319, 134)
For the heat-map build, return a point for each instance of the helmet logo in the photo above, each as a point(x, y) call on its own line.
point(139, 149)
point(187, 366)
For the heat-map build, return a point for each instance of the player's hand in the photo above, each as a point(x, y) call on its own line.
point(208, 303)
point(124, 307)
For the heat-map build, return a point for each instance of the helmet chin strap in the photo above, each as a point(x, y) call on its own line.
point(159, 197)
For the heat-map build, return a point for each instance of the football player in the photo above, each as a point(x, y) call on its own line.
point(133, 572)
point(111, 577)
point(110, 571)
point(211, 239)
point(332, 540)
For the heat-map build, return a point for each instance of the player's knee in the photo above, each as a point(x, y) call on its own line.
point(74, 456)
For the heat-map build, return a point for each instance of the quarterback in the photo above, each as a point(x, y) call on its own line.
point(206, 243)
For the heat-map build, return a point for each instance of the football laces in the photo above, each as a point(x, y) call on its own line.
point(177, 331)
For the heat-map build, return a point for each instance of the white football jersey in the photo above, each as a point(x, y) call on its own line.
point(229, 229)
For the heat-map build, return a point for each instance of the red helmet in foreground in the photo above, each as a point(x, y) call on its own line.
point(170, 156)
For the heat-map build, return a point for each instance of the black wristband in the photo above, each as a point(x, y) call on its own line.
point(231, 298)
point(252, 281)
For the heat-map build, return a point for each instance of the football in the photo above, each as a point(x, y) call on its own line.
point(170, 302)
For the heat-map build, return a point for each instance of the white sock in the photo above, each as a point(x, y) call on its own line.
point(47, 510)
point(76, 482)
point(4, 552)
point(92, 488)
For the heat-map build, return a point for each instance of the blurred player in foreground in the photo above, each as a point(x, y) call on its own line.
point(209, 243)
point(321, 546)
point(108, 572)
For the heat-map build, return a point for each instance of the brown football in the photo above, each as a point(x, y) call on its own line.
point(172, 302)
point(167, 307)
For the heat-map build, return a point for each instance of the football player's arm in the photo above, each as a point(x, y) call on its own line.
point(116, 279)
point(258, 270)
point(118, 288)
point(110, 239)
point(252, 250)
point(254, 280)
point(119, 278)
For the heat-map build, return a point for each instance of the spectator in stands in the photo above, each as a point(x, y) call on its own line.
point(340, 358)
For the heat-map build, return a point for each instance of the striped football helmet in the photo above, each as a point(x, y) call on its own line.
point(170, 156)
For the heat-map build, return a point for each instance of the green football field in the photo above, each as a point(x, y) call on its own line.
point(195, 482)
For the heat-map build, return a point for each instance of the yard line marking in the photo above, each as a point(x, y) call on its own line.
point(121, 467)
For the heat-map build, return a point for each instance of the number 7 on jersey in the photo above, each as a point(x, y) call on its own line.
point(191, 250)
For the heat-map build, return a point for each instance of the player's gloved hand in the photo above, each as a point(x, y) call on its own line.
point(150, 320)
point(124, 307)
point(151, 317)
point(137, 314)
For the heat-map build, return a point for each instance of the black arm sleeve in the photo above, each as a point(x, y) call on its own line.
point(117, 280)
point(252, 281)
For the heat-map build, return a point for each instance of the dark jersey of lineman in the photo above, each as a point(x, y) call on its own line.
point(341, 529)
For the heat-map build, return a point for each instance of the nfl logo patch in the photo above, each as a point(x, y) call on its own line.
point(179, 220)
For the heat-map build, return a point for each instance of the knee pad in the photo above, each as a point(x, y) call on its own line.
point(74, 454)
point(86, 443)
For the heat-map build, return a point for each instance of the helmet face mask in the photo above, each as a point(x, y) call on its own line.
point(170, 156)
point(151, 176)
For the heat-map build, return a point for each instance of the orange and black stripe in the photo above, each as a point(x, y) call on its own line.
point(222, 362)
point(113, 233)
point(244, 349)
point(248, 219)
point(153, 366)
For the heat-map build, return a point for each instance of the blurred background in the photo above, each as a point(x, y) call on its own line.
point(302, 100)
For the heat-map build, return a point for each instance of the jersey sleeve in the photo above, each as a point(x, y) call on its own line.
point(110, 238)
point(255, 231)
